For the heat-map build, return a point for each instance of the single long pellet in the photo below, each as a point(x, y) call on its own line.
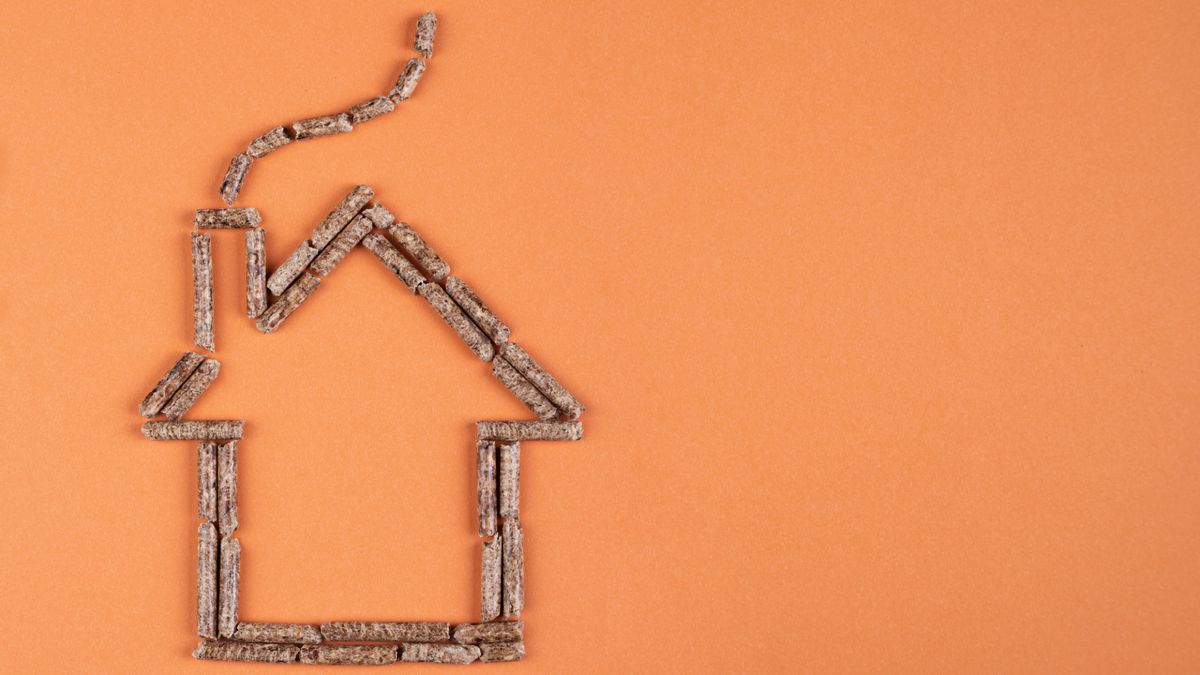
point(271, 319)
point(543, 380)
point(485, 486)
point(353, 655)
point(453, 315)
point(426, 29)
point(431, 653)
point(206, 581)
point(529, 431)
point(370, 109)
point(343, 213)
point(222, 650)
point(491, 631)
point(385, 631)
point(227, 514)
point(474, 307)
point(202, 300)
point(226, 219)
point(191, 390)
point(510, 479)
point(206, 479)
point(169, 384)
point(326, 125)
point(231, 572)
point(277, 632)
point(268, 142)
point(294, 266)
point(193, 430)
point(514, 567)
point(235, 175)
point(382, 248)
point(406, 84)
point(337, 249)
point(256, 272)
point(497, 652)
point(523, 389)
point(422, 253)
point(490, 586)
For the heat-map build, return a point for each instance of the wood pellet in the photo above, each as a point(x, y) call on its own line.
point(434, 653)
point(230, 574)
point(256, 272)
point(337, 249)
point(426, 29)
point(530, 431)
point(385, 631)
point(202, 300)
point(275, 315)
point(326, 125)
point(380, 216)
point(474, 307)
point(169, 384)
point(491, 585)
point(227, 513)
point(485, 486)
point(406, 84)
point(491, 631)
point(351, 655)
point(497, 652)
point(456, 319)
point(206, 581)
point(543, 380)
point(268, 142)
point(341, 215)
point(370, 109)
point(514, 567)
point(523, 389)
point(421, 252)
point(222, 650)
point(191, 390)
point(235, 175)
point(193, 430)
point(225, 219)
point(206, 479)
point(510, 479)
point(248, 631)
point(294, 266)
point(396, 262)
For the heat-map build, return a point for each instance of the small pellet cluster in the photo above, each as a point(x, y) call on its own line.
point(358, 219)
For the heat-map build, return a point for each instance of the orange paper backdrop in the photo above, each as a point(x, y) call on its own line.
point(886, 315)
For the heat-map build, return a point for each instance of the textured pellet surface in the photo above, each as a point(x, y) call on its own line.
point(396, 262)
point(227, 511)
point(406, 84)
point(523, 389)
point(206, 581)
point(248, 631)
point(206, 479)
point(350, 655)
point(529, 431)
point(385, 631)
point(491, 587)
point(343, 213)
point(514, 567)
point(235, 175)
point(426, 258)
point(256, 272)
point(492, 631)
point(453, 315)
point(370, 109)
point(202, 299)
point(224, 219)
point(191, 390)
point(543, 380)
point(426, 30)
point(268, 142)
point(222, 650)
point(285, 274)
point(170, 383)
point(431, 653)
point(326, 125)
point(337, 249)
point(496, 652)
point(275, 315)
point(485, 486)
point(193, 430)
point(509, 455)
point(231, 573)
point(474, 307)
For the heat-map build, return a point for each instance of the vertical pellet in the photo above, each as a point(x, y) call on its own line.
point(202, 300)
point(485, 482)
point(256, 272)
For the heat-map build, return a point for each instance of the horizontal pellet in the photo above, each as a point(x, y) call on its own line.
point(385, 631)
point(222, 650)
point(169, 384)
point(523, 389)
point(191, 390)
point(285, 274)
point(337, 249)
point(491, 631)
point(426, 29)
point(434, 653)
point(406, 84)
point(498, 652)
point(424, 255)
point(474, 307)
point(193, 430)
point(543, 380)
point(343, 213)
point(248, 631)
point(453, 315)
point(529, 431)
point(326, 125)
point(268, 142)
point(235, 175)
point(215, 219)
point(396, 262)
point(370, 109)
point(275, 315)
point(349, 655)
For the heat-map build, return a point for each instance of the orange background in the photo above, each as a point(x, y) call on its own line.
point(886, 315)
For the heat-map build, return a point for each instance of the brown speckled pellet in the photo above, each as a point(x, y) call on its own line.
point(350, 655)
point(543, 380)
point(492, 631)
point(523, 389)
point(474, 307)
point(490, 586)
point(256, 272)
point(514, 567)
point(285, 274)
point(456, 319)
point(337, 249)
point(485, 486)
point(370, 109)
point(380, 216)
point(268, 142)
point(529, 431)
point(202, 299)
point(226, 219)
point(206, 479)
point(430, 653)
point(277, 632)
point(271, 319)
point(326, 125)
point(235, 175)
point(382, 248)
point(422, 253)
point(191, 390)
point(509, 455)
point(385, 631)
point(169, 384)
point(497, 652)
point(343, 213)
point(222, 650)
point(193, 430)
point(227, 513)
point(426, 29)
point(206, 581)
point(407, 82)
point(231, 572)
